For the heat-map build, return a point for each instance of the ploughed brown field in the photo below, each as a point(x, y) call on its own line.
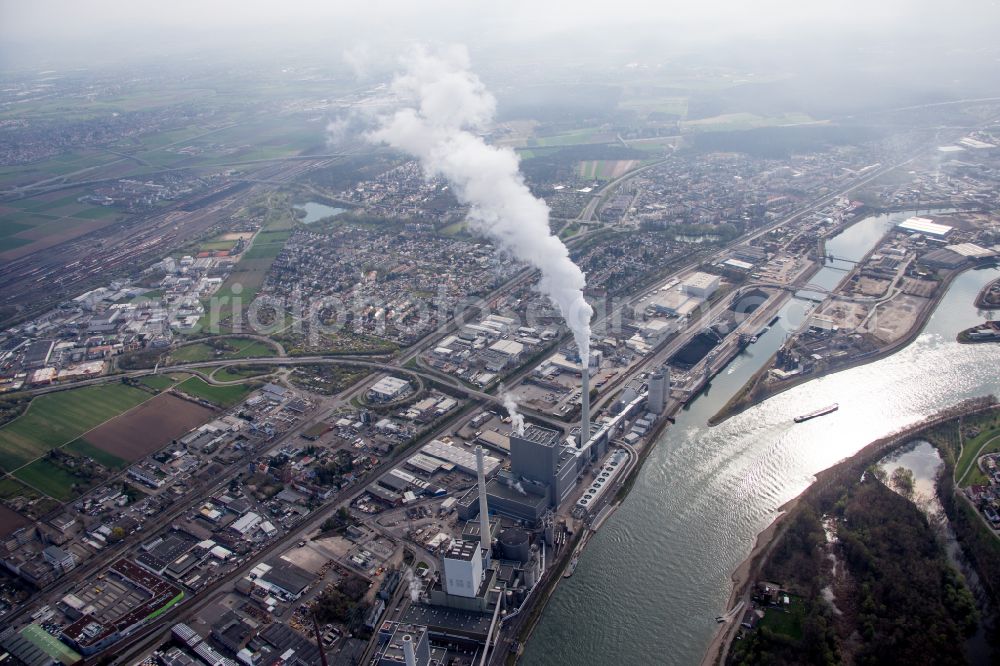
point(10, 520)
point(149, 427)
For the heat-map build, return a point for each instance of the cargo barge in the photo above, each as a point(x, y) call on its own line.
point(819, 412)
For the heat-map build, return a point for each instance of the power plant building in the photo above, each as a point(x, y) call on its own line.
point(659, 391)
point(401, 643)
point(534, 454)
point(508, 496)
point(463, 569)
point(538, 455)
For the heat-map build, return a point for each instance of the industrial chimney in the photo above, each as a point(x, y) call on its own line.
point(585, 407)
point(409, 654)
point(485, 538)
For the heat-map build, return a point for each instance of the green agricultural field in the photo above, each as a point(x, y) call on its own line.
point(96, 213)
point(55, 419)
point(224, 396)
point(730, 122)
point(232, 373)
point(573, 138)
point(266, 245)
point(158, 382)
point(57, 166)
point(12, 488)
point(41, 204)
point(230, 348)
point(53, 480)
point(248, 275)
point(12, 242)
point(194, 353)
point(85, 448)
point(20, 227)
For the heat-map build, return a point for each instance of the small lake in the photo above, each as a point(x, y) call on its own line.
point(921, 458)
point(317, 211)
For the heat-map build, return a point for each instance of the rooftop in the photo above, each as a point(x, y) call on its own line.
point(924, 225)
point(439, 619)
point(462, 550)
point(539, 435)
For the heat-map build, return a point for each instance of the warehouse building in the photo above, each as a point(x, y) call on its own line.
point(388, 388)
point(700, 285)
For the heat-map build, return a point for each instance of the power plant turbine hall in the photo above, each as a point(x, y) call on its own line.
point(447, 103)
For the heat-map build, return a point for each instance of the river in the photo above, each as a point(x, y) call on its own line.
point(651, 581)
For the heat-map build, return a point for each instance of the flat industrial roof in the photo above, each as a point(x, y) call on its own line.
point(449, 620)
point(461, 458)
point(700, 279)
point(970, 250)
point(924, 225)
point(539, 435)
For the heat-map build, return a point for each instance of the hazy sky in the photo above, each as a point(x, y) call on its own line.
point(35, 31)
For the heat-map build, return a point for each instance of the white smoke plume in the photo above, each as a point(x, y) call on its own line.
point(413, 585)
point(447, 104)
point(516, 418)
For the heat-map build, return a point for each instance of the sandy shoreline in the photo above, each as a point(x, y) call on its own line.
point(743, 578)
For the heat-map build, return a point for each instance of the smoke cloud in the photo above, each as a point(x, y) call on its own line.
point(447, 104)
point(413, 585)
point(516, 418)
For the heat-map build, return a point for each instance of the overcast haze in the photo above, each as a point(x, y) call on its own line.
point(46, 32)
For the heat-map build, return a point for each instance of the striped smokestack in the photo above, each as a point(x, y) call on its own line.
point(485, 538)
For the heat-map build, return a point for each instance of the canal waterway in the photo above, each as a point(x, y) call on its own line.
point(651, 581)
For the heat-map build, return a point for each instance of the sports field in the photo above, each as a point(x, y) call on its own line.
point(55, 419)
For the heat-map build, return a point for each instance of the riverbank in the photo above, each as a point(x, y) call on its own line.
point(754, 393)
point(990, 329)
point(747, 572)
point(988, 297)
point(743, 578)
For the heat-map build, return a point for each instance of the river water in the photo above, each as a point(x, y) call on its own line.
point(923, 460)
point(651, 581)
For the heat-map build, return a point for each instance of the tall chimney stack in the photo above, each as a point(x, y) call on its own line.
point(585, 407)
point(409, 654)
point(485, 538)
